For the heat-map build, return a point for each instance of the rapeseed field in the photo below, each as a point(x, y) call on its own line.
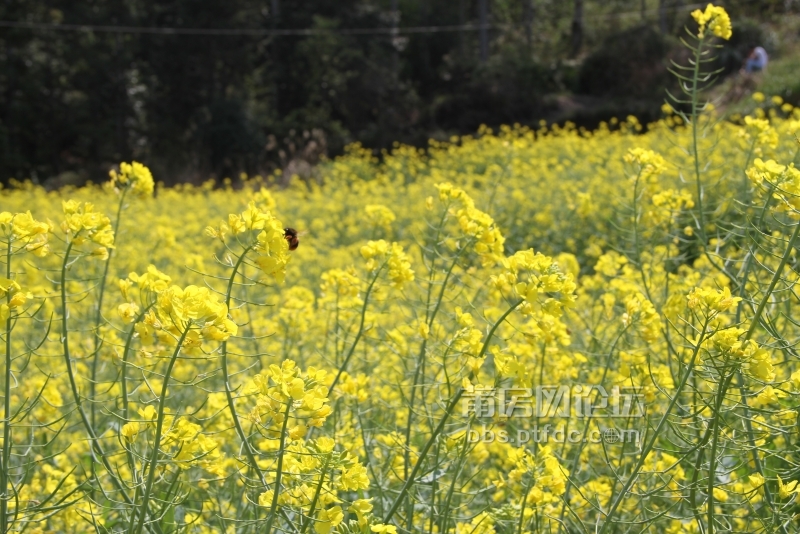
point(545, 330)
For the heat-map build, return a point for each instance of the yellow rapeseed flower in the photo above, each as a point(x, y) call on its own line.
point(714, 18)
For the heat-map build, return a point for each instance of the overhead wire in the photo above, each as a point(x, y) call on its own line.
point(283, 32)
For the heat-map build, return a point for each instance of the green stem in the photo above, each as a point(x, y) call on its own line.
point(162, 401)
point(358, 335)
point(277, 488)
point(695, 78)
point(755, 321)
point(438, 430)
point(5, 467)
point(462, 458)
point(528, 488)
point(435, 496)
point(420, 367)
point(125, 352)
point(99, 313)
point(317, 492)
point(712, 460)
point(746, 180)
point(97, 339)
point(124, 382)
point(226, 377)
point(636, 237)
point(95, 443)
point(739, 378)
point(646, 450)
point(586, 428)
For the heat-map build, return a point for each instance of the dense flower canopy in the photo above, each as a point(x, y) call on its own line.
point(510, 332)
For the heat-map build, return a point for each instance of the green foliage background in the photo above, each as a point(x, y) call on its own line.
point(72, 103)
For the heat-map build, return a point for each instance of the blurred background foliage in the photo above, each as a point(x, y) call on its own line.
point(75, 100)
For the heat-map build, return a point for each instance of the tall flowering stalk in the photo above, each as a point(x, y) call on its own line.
point(261, 235)
point(20, 233)
point(529, 282)
point(87, 233)
point(190, 316)
point(132, 178)
point(693, 79)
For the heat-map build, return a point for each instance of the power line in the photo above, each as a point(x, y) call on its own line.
point(275, 32)
point(262, 32)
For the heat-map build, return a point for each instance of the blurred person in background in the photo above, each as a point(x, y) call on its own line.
point(757, 60)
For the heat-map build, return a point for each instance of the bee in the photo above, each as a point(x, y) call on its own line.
point(292, 237)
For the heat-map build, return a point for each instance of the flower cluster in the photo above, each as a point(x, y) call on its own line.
point(642, 313)
point(711, 301)
point(284, 391)
point(727, 344)
point(269, 238)
point(541, 477)
point(669, 204)
point(23, 227)
point(391, 255)
point(714, 18)
point(468, 341)
point(316, 473)
point(765, 134)
point(192, 313)
point(782, 180)
point(650, 163)
point(479, 226)
point(150, 283)
point(133, 176)
point(185, 442)
point(341, 288)
point(288, 402)
point(190, 446)
point(82, 224)
point(380, 216)
point(538, 281)
point(11, 296)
